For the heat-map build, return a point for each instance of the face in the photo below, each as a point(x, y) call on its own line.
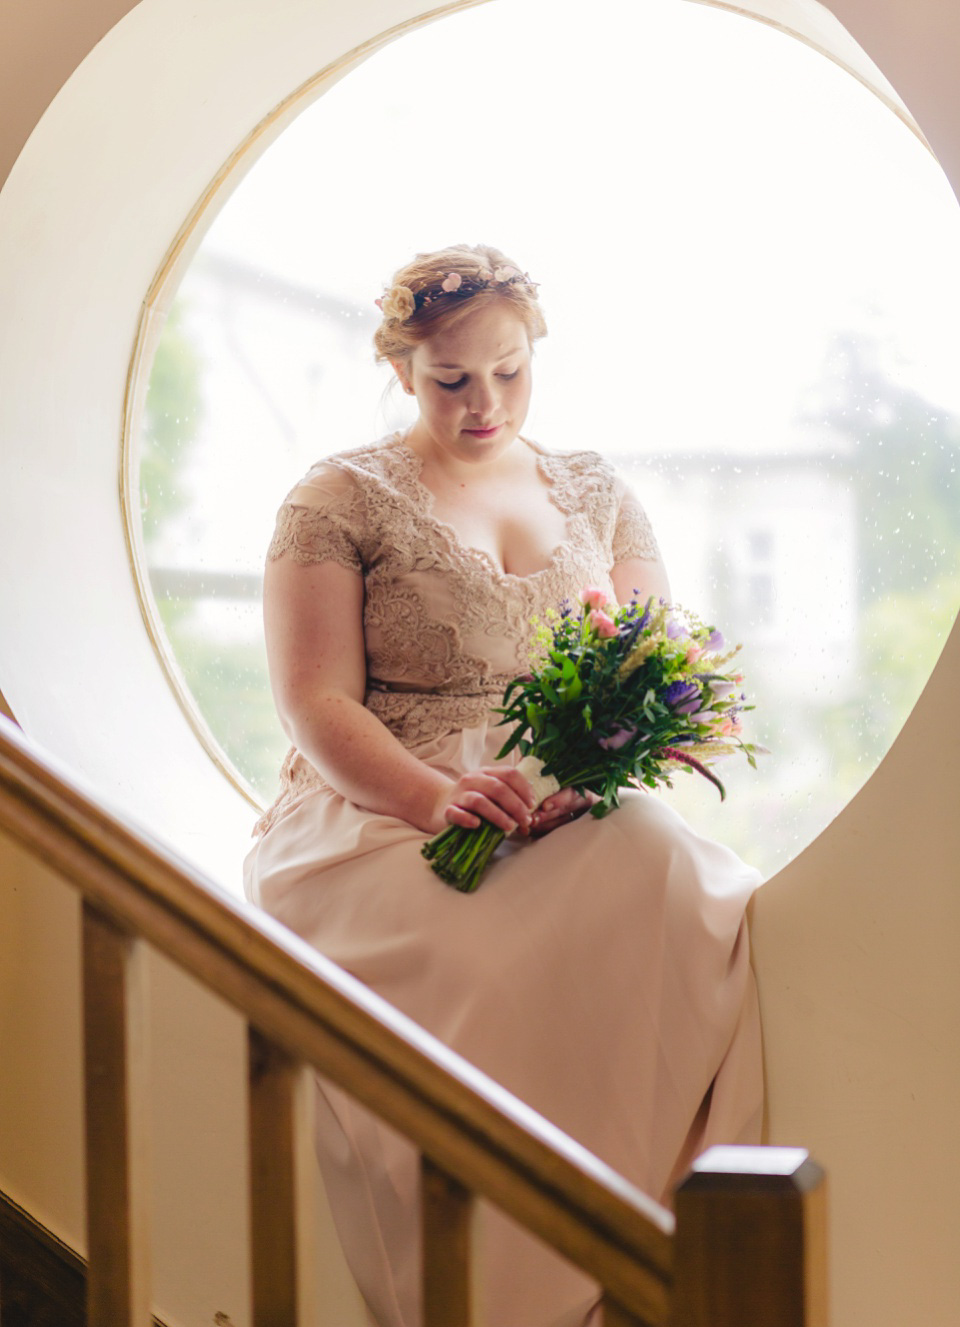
point(472, 383)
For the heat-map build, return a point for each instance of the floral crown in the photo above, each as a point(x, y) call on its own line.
point(400, 302)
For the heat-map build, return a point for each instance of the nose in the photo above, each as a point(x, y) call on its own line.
point(484, 399)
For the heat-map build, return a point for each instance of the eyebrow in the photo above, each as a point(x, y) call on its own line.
point(517, 350)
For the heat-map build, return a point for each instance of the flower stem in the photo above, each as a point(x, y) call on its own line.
point(460, 856)
point(674, 753)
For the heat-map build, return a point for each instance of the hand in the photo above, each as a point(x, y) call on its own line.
point(496, 793)
point(560, 809)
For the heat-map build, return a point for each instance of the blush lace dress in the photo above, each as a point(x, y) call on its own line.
point(601, 974)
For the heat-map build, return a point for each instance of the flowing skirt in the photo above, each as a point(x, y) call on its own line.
point(601, 974)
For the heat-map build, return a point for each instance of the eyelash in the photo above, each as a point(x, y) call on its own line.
point(455, 386)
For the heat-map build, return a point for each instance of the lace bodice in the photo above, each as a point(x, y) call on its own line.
point(445, 628)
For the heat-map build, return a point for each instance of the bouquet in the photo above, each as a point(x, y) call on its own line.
point(615, 698)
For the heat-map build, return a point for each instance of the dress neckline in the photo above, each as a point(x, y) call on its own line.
point(426, 499)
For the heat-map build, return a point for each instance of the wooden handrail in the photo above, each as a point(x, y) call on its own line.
point(748, 1246)
point(471, 1129)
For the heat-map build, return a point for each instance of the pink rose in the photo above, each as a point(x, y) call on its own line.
point(603, 625)
point(617, 739)
point(593, 596)
point(693, 653)
point(452, 282)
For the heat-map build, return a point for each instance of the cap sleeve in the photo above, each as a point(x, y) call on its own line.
point(322, 520)
point(633, 534)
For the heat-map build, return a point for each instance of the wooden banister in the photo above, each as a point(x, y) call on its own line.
point(751, 1239)
point(470, 1127)
point(117, 1139)
point(474, 1137)
point(274, 1244)
point(615, 1315)
point(446, 1210)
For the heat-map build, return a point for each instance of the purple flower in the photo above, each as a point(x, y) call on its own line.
point(630, 631)
point(714, 641)
point(677, 693)
point(618, 738)
point(721, 687)
point(675, 630)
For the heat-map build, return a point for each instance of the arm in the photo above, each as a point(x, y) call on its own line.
point(313, 616)
point(637, 564)
point(647, 576)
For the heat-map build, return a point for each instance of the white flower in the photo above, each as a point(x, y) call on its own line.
point(502, 274)
point(452, 282)
point(398, 303)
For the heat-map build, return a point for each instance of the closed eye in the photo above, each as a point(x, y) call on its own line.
point(455, 386)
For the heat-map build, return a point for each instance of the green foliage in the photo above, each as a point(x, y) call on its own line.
point(611, 701)
point(172, 416)
point(901, 636)
point(227, 680)
point(908, 495)
point(232, 690)
point(607, 711)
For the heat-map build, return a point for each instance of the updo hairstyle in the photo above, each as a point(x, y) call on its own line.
point(483, 274)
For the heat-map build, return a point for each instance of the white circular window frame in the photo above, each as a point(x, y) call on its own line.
point(134, 150)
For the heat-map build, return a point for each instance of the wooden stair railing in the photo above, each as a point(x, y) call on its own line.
point(746, 1249)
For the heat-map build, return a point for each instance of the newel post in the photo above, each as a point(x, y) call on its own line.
point(750, 1246)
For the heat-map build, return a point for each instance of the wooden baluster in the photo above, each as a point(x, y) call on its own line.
point(117, 1134)
point(751, 1240)
point(615, 1315)
point(446, 1219)
point(274, 1236)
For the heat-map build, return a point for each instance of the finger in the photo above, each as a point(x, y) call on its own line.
point(560, 803)
point(521, 785)
point(549, 818)
point(475, 802)
point(456, 815)
point(502, 793)
point(543, 827)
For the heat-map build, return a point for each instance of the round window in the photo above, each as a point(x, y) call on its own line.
point(751, 273)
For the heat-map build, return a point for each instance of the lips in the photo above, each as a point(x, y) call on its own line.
point(484, 433)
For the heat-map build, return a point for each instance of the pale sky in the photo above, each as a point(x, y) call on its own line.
point(703, 199)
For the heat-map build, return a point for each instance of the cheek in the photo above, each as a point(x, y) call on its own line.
point(443, 405)
point(520, 393)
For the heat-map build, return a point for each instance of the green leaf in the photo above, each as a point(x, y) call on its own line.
point(513, 740)
point(573, 688)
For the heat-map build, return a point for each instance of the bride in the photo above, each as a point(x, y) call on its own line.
point(601, 972)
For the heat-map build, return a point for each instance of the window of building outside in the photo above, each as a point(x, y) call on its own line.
point(751, 273)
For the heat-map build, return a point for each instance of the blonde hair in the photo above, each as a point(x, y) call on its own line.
point(485, 275)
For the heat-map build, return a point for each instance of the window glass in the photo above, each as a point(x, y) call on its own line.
point(751, 273)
